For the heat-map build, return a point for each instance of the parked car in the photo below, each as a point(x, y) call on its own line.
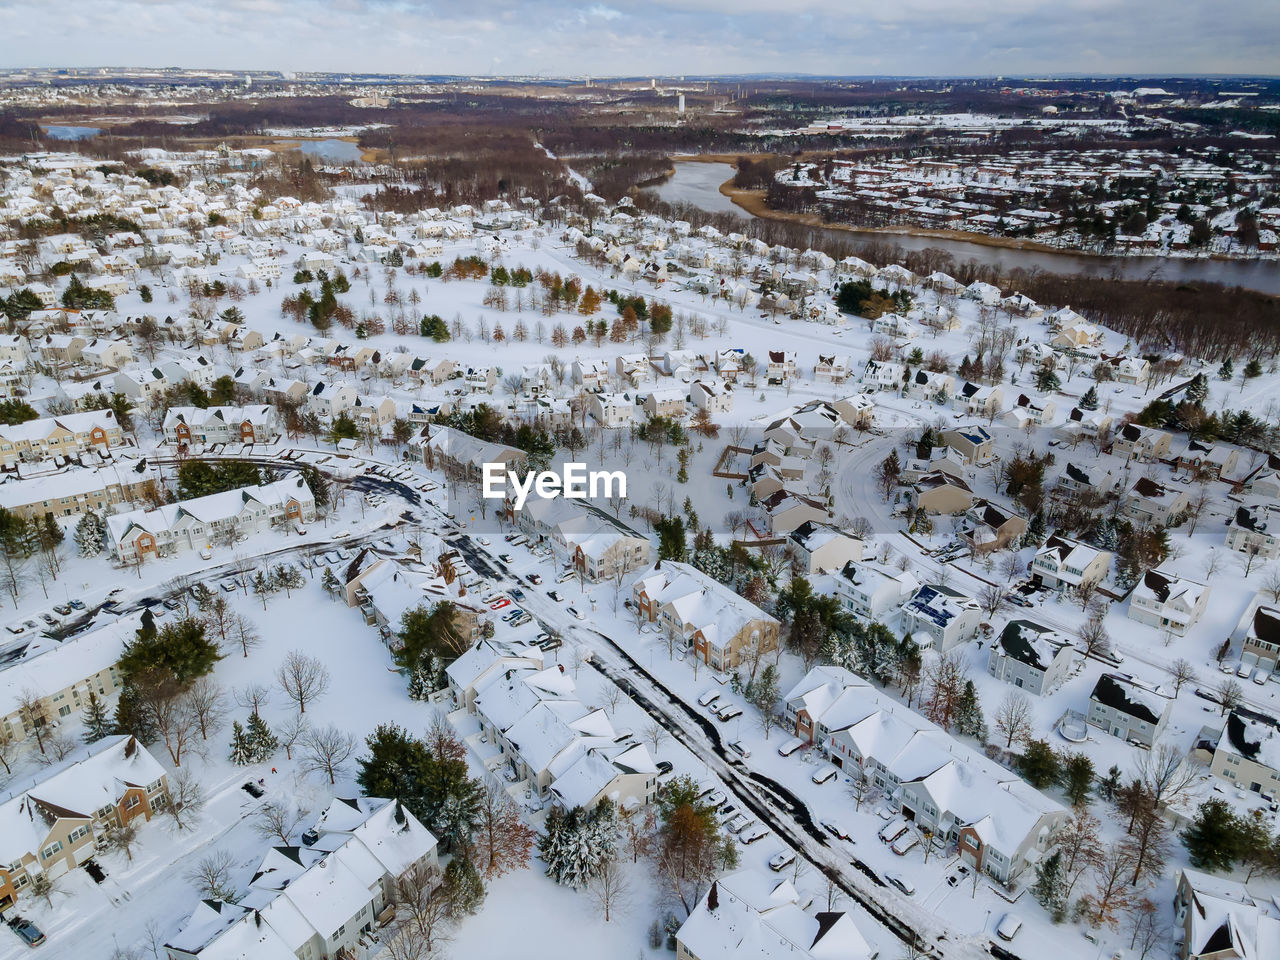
point(740, 823)
point(892, 830)
point(63, 609)
point(664, 767)
point(534, 579)
point(30, 934)
point(499, 604)
point(517, 593)
point(905, 843)
point(825, 774)
point(506, 558)
point(835, 829)
point(1008, 927)
point(77, 604)
point(577, 613)
point(790, 747)
point(753, 834)
point(731, 712)
point(780, 861)
point(716, 798)
point(566, 576)
point(741, 749)
point(484, 541)
point(555, 596)
point(253, 789)
point(902, 883)
point(708, 698)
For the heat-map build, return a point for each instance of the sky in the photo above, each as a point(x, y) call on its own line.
point(644, 37)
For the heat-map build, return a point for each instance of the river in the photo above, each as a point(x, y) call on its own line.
point(698, 184)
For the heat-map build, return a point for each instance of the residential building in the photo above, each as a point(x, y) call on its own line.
point(1128, 709)
point(1066, 564)
point(1031, 657)
point(1247, 754)
point(1167, 602)
point(184, 426)
point(66, 436)
point(452, 451)
point(612, 410)
point(991, 818)
point(69, 493)
point(940, 617)
point(1259, 633)
point(218, 518)
point(975, 444)
point(939, 492)
point(717, 625)
point(1135, 442)
point(55, 822)
point(1150, 501)
point(1221, 920)
point(823, 546)
point(987, 527)
point(386, 588)
point(584, 537)
point(713, 396)
point(1248, 533)
point(871, 591)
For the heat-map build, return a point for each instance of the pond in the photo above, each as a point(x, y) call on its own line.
point(699, 184)
point(71, 133)
point(336, 151)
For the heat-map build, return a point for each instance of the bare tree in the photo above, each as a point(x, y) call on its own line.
point(1229, 695)
point(123, 838)
point(211, 876)
point(253, 696)
point(277, 819)
point(502, 841)
point(992, 599)
point(1165, 773)
point(244, 634)
point(208, 702)
point(58, 745)
point(327, 749)
point(1182, 672)
point(31, 714)
point(186, 798)
point(422, 916)
point(656, 735)
point(610, 887)
point(291, 733)
point(302, 678)
point(1013, 717)
point(1094, 638)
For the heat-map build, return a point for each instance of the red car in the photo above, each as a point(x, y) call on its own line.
point(504, 602)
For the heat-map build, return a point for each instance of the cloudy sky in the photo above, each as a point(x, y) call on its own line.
point(638, 37)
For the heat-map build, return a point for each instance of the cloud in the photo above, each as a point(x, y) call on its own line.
point(643, 37)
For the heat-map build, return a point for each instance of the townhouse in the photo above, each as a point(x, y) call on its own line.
point(555, 746)
point(65, 436)
point(1149, 501)
point(1247, 754)
point(454, 452)
point(992, 819)
point(871, 591)
point(220, 517)
point(58, 820)
point(76, 491)
point(987, 527)
point(706, 617)
point(184, 426)
point(584, 537)
point(387, 588)
point(1129, 709)
point(319, 899)
point(755, 913)
point(1248, 532)
point(1214, 460)
point(1166, 602)
point(1030, 657)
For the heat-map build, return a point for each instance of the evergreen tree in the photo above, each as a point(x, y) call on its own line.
point(88, 535)
point(329, 583)
point(671, 538)
point(969, 719)
point(1046, 380)
point(262, 742)
point(1227, 370)
point(1039, 765)
point(1212, 838)
point(97, 723)
point(132, 717)
point(241, 749)
point(1036, 529)
point(1198, 390)
point(1090, 399)
point(463, 887)
point(1077, 777)
point(1048, 888)
point(1108, 785)
point(422, 682)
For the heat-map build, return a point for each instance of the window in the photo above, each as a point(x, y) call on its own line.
point(51, 849)
point(131, 801)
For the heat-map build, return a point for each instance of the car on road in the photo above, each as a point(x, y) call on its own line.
point(483, 541)
point(555, 596)
point(835, 829)
point(782, 860)
point(664, 767)
point(731, 712)
point(577, 613)
point(753, 834)
point(902, 883)
point(741, 749)
point(534, 579)
point(27, 931)
point(1009, 926)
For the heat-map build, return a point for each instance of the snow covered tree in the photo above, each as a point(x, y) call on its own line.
point(969, 719)
point(262, 742)
point(1227, 370)
point(463, 885)
point(502, 841)
point(89, 535)
point(96, 720)
point(1197, 391)
point(1048, 888)
point(1090, 399)
point(576, 844)
point(241, 749)
point(329, 582)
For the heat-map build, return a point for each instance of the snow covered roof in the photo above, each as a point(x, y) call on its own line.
point(1031, 643)
point(1123, 693)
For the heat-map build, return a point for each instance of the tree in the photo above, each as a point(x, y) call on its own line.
point(1093, 635)
point(1077, 777)
point(1259, 850)
point(1112, 894)
point(1013, 718)
point(208, 704)
point(1049, 886)
point(89, 535)
point(262, 742)
point(945, 678)
point(179, 651)
point(327, 749)
point(1230, 695)
point(1039, 765)
point(186, 797)
point(32, 715)
point(610, 887)
point(275, 819)
point(241, 750)
point(577, 843)
point(211, 876)
point(1213, 837)
point(291, 733)
point(763, 694)
point(422, 915)
point(463, 887)
point(96, 720)
point(1182, 672)
point(1165, 773)
point(689, 842)
point(303, 678)
point(502, 842)
point(1148, 844)
point(969, 719)
point(1081, 849)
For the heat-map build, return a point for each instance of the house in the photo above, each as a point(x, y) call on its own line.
point(930, 387)
point(831, 369)
point(52, 824)
point(1221, 920)
point(386, 588)
point(939, 492)
point(1214, 460)
point(987, 527)
point(663, 403)
point(612, 410)
point(1066, 564)
point(1037, 411)
point(317, 900)
point(823, 547)
point(979, 401)
point(330, 399)
point(756, 914)
point(1088, 478)
point(66, 436)
point(1130, 370)
point(1135, 442)
point(975, 444)
point(1150, 501)
point(452, 451)
point(940, 617)
point(1247, 755)
point(1248, 533)
point(1031, 657)
point(141, 385)
point(1259, 632)
point(220, 517)
point(973, 807)
point(584, 537)
point(712, 396)
point(717, 625)
point(785, 510)
point(871, 591)
point(781, 367)
point(483, 660)
point(1167, 603)
point(883, 375)
point(106, 354)
point(184, 426)
point(591, 375)
point(1128, 709)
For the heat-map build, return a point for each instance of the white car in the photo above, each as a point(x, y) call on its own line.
point(1009, 926)
point(780, 861)
point(902, 883)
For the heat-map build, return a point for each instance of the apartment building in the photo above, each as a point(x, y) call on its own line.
point(65, 436)
point(73, 492)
